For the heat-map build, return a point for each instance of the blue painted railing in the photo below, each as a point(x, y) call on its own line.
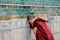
point(28, 11)
point(32, 2)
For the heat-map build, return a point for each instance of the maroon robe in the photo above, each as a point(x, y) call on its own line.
point(43, 31)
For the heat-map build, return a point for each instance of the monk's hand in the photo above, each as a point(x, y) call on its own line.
point(35, 30)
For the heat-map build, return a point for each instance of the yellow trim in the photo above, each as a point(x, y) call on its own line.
point(11, 17)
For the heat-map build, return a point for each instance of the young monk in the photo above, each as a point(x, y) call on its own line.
point(40, 28)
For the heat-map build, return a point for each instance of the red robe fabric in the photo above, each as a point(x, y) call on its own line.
point(43, 31)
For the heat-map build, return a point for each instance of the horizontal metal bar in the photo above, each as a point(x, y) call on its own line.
point(37, 6)
point(56, 32)
point(11, 28)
